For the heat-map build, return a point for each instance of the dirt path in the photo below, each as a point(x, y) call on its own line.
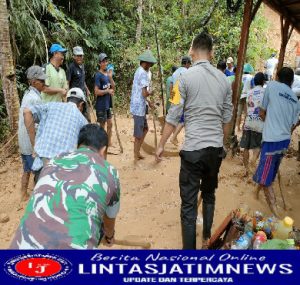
point(150, 201)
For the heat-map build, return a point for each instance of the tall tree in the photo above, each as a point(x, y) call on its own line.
point(8, 71)
point(140, 21)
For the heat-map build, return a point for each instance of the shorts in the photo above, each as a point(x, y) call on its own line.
point(270, 159)
point(27, 161)
point(103, 116)
point(140, 125)
point(251, 139)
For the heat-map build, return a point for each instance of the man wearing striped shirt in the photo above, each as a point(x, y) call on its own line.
point(59, 126)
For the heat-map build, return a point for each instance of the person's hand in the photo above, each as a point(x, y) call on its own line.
point(88, 93)
point(110, 73)
point(111, 92)
point(158, 154)
point(64, 92)
point(151, 105)
point(224, 152)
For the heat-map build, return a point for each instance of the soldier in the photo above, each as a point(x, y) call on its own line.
point(75, 201)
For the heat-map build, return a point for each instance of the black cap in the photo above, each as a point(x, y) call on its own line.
point(186, 59)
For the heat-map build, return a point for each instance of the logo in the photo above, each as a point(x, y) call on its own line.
point(38, 267)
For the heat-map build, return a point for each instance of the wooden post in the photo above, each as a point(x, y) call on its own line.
point(160, 70)
point(7, 70)
point(286, 32)
point(241, 57)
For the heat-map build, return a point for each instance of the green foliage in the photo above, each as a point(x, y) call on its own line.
point(110, 27)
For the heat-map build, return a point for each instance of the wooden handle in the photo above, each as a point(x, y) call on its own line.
point(142, 244)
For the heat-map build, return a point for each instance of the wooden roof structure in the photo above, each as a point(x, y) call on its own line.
point(289, 9)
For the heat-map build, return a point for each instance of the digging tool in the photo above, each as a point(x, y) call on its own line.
point(132, 241)
point(116, 127)
point(280, 188)
point(154, 125)
point(142, 244)
point(91, 107)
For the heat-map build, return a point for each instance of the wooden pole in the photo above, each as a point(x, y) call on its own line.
point(7, 70)
point(241, 58)
point(116, 127)
point(286, 32)
point(159, 65)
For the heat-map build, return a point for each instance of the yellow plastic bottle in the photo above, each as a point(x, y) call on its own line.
point(284, 227)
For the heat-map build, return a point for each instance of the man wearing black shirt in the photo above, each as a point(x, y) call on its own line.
point(76, 74)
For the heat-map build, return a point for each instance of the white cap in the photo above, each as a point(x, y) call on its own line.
point(77, 93)
point(229, 60)
point(78, 50)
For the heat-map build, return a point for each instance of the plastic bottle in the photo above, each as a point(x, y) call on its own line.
point(284, 227)
point(244, 241)
point(291, 243)
point(270, 226)
point(260, 238)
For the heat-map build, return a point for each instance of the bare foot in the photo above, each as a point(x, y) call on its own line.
point(141, 156)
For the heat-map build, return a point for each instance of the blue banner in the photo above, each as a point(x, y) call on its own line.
point(149, 267)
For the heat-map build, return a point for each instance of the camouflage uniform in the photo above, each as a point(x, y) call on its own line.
point(67, 206)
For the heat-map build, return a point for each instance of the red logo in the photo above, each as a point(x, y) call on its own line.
point(38, 267)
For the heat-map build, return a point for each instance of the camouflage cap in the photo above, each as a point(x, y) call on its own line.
point(36, 72)
point(147, 56)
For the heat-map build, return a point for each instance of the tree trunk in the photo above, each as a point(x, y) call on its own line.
point(7, 70)
point(140, 21)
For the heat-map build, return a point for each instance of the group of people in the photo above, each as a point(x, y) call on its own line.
point(76, 197)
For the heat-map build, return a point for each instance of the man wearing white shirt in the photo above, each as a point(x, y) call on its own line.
point(270, 66)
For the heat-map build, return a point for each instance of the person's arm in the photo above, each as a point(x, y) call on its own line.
point(99, 92)
point(29, 124)
point(88, 93)
point(54, 91)
point(171, 90)
point(264, 105)
point(111, 80)
point(227, 114)
point(296, 120)
point(113, 207)
point(262, 114)
point(226, 134)
point(145, 92)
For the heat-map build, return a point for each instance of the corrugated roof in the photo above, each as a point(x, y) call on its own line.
point(289, 9)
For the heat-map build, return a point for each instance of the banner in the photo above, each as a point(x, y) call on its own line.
point(149, 267)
